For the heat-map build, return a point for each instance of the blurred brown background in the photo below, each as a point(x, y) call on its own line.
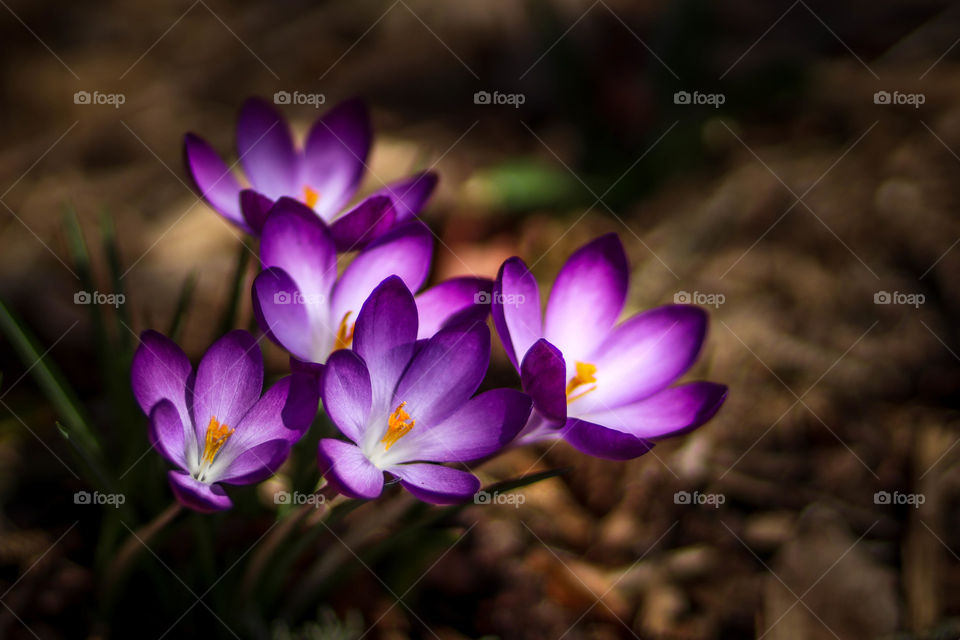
point(796, 204)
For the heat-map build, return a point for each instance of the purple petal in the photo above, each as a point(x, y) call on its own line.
point(436, 484)
point(282, 312)
point(479, 428)
point(348, 470)
point(266, 150)
point(168, 433)
point(364, 223)
point(160, 371)
point(444, 373)
point(516, 309)
point(346, 393)
point(587, 297)
point(197, 495)
point(255, 206)
point(229, 380)
point(601, 442)
point(465, 299)
point(298, 242)
point(213, 179)
point(669, 413)
point(543, 373)
point(644, 355)
point(284, 412)
point(256, 463)
point(336, 155)
point(385, 336)
point(404, 251)
point(410, 194)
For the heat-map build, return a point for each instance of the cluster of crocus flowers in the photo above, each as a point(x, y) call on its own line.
point(398, 371)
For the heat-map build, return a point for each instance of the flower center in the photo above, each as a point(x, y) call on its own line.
point(217, 436)
point(310, 196)
point(585, 375)
point(345, 333)
point(399, 424)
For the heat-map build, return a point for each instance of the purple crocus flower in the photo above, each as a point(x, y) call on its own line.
point(310, 311)
point(324, 174)
point(212, 423)
point(407, 404)
point(602, 386)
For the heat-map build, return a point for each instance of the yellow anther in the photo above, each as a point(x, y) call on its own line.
point(310, 197)
point(217, 436)
point(585, 375)
point(344, 332)
point(399, 424)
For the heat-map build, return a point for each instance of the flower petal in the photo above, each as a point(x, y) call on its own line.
point(642, 356)
point(346, 393)
point(160, 371)
point(336, 155)
point(229, 381)
point(410, 194)
point(601, 442)
point(168, 433)
point(295, 240)
point(543, 373)
point(213, 179)
point(587, 297)
point(404, 251)
point(464, 299)
point(671, 412)
point(348, 470)
point(364, 223)
point(283, 313)
point(436, 484)
point(481, 427)
point(516, 309)
point(266, 149)
point(385, 337)
point(255, 206)
point(256, 463)
point(444, 373)
point(199, 496)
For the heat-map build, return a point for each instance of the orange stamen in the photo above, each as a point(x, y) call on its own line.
point(585, 375)
point(217, 436)
point(310, 197)
point(399, 424)
point(344, 332)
